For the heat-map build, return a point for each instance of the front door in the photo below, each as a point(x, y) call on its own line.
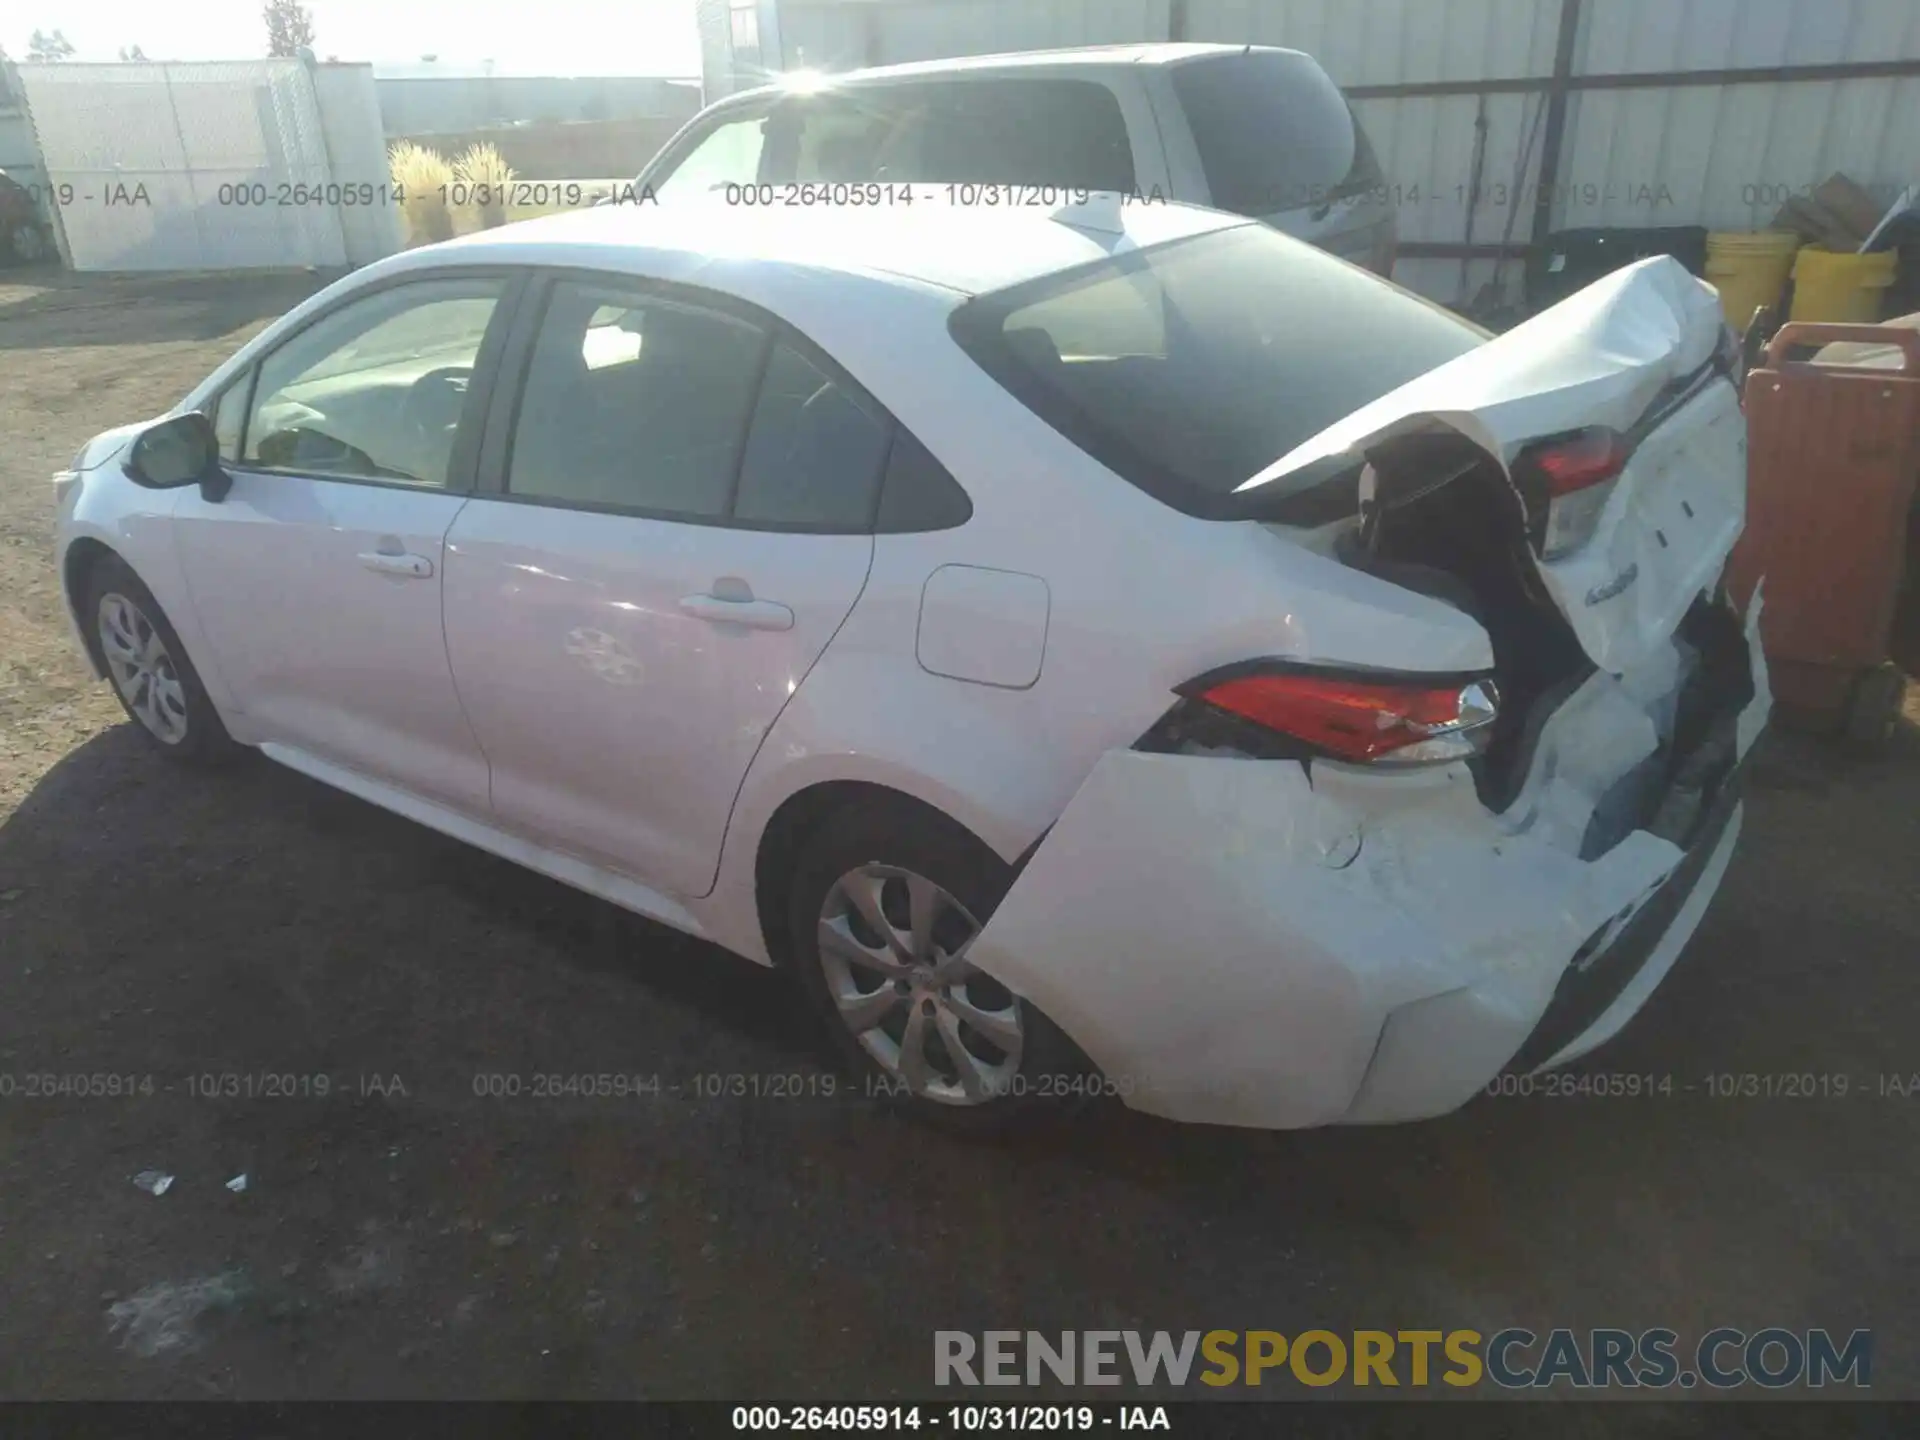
point(317, 579)
point(680, 524)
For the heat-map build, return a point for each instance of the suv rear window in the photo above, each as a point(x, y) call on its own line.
point(1274, 133)
point(1189, 367)
point(990, 130)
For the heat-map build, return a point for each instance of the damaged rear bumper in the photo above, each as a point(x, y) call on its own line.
point(1244, 942)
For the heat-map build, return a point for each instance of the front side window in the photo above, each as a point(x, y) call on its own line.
point(374, 390)
point(728, 154)
point(635, 402)
point(1189, 367)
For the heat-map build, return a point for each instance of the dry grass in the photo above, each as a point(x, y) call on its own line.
point(422, 176)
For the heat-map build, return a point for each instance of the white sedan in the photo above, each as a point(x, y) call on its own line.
point(1115, 649)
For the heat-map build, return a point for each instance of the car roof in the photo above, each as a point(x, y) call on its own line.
point(965, 249)
point(1083, 56)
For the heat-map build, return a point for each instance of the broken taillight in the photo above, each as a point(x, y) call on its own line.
point(1570, 478)
point(1365, 720)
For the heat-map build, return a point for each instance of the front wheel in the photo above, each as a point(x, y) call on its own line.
point(885, 907)
point(156, 684)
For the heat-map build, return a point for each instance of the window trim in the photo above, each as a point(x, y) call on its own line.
point(496, 448)
point(463, 458)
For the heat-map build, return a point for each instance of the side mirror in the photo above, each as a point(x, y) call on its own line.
point(179, 451)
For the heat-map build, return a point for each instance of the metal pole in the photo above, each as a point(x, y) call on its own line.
point(1557, 93)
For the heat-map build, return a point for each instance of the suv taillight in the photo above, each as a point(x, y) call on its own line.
point(1572, 476)
point(1368, 721)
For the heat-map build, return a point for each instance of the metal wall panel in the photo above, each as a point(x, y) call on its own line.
point(1628, 36)
point(931, 29)
point(1728, 157)
point(1387, 42)
point(1426, 145)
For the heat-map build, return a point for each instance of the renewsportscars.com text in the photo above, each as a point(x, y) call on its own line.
point(1511, 1359)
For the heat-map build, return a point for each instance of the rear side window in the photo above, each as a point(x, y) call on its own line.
point(1273, 131)
point(814, 450)
point(989, 131)
point(1189, 367)
point(634, 402)
point(919, 493)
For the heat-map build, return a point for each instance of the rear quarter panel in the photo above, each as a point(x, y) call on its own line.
point(1141, 599)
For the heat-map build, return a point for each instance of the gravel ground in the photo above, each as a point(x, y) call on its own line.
point(406, 1236)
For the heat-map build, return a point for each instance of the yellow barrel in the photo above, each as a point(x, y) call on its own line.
point(1749, 270)
point(1843, 289)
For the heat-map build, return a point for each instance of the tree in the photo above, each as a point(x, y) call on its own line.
point(132, 52)
point(289, 27)
point(44, 46)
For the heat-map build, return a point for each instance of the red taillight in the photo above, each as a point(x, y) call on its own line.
point(1586, 459)
point(1363, 720)
point(1570, 479)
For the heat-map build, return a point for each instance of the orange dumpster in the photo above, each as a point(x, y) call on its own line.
point(1833, 454)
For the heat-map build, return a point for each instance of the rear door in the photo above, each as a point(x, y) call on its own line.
point(676, 516)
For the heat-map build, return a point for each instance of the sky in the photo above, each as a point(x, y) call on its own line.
point(530, 37)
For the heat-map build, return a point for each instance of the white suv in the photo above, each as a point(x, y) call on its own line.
point(1255, 130)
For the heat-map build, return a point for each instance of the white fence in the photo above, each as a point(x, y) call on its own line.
point(1676, 112)
point(213, 166)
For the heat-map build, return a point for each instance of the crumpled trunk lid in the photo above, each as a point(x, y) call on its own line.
point(1640, 343)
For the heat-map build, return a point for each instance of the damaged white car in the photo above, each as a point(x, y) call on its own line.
point(1111, 649)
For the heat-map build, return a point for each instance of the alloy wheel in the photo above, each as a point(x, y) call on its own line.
point(893, 949)
point(143, 671)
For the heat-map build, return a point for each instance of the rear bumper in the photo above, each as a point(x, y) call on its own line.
point(1240, 942)
point(1613, 969)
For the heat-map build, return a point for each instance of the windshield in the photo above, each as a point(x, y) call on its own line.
point(1189, 367)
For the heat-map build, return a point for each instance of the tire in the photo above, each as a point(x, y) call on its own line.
point(1873, 711)
point(148, 668)
point(1025, 1071)
point(26, 243)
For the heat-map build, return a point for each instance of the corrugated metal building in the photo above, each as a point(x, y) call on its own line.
point(1616, 113)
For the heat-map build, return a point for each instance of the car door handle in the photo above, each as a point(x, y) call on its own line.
point(754, 614)
point(413, 567)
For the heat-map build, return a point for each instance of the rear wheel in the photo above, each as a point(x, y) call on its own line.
point(156, 684)
point(886, 904)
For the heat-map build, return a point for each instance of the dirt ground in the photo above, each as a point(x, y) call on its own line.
point(408, 1235)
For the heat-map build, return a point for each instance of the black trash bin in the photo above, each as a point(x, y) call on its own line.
point(1571, 260)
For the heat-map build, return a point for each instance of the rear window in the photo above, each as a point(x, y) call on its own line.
point(1274, 133)
point(991, 131)
point(1187, 368)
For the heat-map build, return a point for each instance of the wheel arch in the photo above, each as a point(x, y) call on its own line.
point(799, 816)
point(76, 569)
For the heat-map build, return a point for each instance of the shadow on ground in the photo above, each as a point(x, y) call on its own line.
point(232, 946)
